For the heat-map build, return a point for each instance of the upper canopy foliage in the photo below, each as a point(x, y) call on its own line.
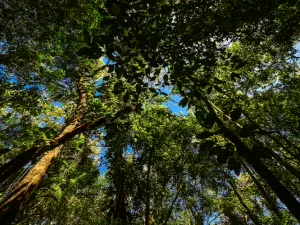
point(84, 86)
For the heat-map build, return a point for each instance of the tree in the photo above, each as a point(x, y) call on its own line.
point(231, 62)
point(191, 69)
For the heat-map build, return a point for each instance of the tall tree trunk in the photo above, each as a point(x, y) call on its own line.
point(287, 165)
point(68, 133)
point(276, 156)
point(120, 184)
point(10, 208)
point(120, 209)
point(148, 189)
point(284, 195)
point(172, 205)
point(270, 203)
point(250, 214)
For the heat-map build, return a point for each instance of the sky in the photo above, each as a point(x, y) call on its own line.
point(172, 105)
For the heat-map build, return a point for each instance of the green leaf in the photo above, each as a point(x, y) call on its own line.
point(200, 115)
point(111, 68)
point(236, 114)
point(126, 97)
point(66, 163)
point(215, 150)
point(85, 51)
point(118, 87)
point(179, 85)
point(222, 156)
point(4, 150)
point(153, 90)
point(205, 134)
point(240, 64)
point(50, 196)
point(207, 145)
point(166, 78)
point(218, 89)
point(105, 78)
point(157, 72)
point(234, 165)
point(218, 81)
point(183, 103)
point(209, 90)
point(234, 75)
point(87, 37)
point(138, 88)
point(209, 120)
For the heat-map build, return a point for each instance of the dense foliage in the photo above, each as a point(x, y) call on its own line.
point(89, 126)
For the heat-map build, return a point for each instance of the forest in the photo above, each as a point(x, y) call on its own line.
point(149, 112)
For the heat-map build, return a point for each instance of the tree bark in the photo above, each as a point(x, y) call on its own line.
point(148, 188)
point(271, 205)
point(21, 160)
point(10, 208)
point(119, 181)
point(172, 206)
point(250, 214)
point(69, 132)
point(284, 195)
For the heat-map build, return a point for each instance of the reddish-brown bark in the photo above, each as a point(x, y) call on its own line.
point(11, 206)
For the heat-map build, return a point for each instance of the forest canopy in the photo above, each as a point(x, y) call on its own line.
point(149, 112)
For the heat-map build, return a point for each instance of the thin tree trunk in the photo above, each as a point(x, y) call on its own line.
point(120, 210)
point(279, 159)
point(250, 214)
point(147, 213)
point(120, 184)
point(288, 166)
point(284, 195)
point(271, 205)
point(172, 206)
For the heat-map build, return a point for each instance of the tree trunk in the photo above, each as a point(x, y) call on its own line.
point(69, 132)
point(120, 210)
point(271, 204)
point(172, 206)
point(288, 166)
point(10, 208)
point(250, 214)
point(119, 181)
point(284, 195)
point(25, 157)
point(148, 189)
